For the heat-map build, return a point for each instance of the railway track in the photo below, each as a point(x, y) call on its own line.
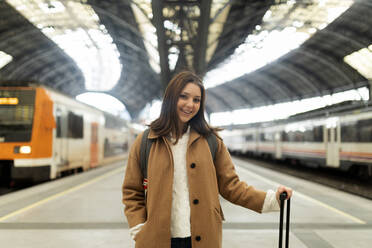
point(326, 176)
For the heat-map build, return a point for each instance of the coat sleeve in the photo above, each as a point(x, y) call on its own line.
point(132, 189)
point(230, 186)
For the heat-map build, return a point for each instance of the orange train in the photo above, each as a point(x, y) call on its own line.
point(45, 134)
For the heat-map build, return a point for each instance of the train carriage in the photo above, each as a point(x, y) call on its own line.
point(44, 134)
point(338, 139)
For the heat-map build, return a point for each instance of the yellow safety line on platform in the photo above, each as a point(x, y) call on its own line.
point(276, 184)
point(60, 194)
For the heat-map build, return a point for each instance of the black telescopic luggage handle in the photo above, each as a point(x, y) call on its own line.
point(282, 198)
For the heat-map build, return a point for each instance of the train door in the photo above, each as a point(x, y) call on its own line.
point(61, 141)
point(256, 140)
point(332, 139)
point(94, 145)
point(278, 148)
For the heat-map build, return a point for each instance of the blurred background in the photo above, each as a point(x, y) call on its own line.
point(260, 60)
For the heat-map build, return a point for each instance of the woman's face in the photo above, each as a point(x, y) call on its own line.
point(188, 103)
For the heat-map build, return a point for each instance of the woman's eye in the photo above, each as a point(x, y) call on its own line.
point(197, 100)
point(183, 96)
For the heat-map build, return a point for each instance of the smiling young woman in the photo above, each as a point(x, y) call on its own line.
point(181, 207)
point(183, 106)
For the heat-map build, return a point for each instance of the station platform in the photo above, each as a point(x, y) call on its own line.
point(85, 210)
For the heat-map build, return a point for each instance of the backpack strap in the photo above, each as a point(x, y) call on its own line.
point(145, 152)
point(213, 145)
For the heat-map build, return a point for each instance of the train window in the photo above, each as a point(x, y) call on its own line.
point(308, 135)
point(298, 136)
point(295, 136)
point(270, 136)
point(58, 127)
point(314, 134)
point(16, 119)
point(318, 134)
point(364, 129)
point(329, 135)
point(290, 136)
point(266, 136)
point(75, 126)
point(349, 132)
point(249, 137)
point(113, 122)
point(284, 136)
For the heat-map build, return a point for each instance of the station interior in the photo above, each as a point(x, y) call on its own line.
point(288, 82)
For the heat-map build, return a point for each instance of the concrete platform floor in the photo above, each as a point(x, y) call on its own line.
point(85, 210)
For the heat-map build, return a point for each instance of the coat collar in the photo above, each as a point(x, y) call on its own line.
point(193, 135)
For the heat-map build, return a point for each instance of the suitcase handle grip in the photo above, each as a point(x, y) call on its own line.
point(283, 197)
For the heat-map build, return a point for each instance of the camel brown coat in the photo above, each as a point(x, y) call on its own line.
point(206, 181)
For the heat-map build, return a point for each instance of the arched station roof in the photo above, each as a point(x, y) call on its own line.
point(196, 35)
point(35, 56)
point(315, 68)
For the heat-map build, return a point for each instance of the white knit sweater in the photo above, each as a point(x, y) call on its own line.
point(180, 212)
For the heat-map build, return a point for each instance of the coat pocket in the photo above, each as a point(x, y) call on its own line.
point(218, 212)
point(221, 213)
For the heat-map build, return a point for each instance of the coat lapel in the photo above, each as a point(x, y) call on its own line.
point(193, 137)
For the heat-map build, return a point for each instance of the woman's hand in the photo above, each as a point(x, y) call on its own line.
point(282, 189)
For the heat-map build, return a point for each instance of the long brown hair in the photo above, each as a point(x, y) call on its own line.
point(167, 123)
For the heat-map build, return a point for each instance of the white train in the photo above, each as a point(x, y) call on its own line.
point(338, 137)
point(45, 134)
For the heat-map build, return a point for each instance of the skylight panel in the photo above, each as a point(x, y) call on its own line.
point(284, 110)
point(361, 61)
point(75, 27)
point(173, 51)
point(4, 59)
point(52, 7)
point(143, 13)
point(219, 12)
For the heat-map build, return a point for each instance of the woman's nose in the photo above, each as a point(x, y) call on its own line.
point(189, 103)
